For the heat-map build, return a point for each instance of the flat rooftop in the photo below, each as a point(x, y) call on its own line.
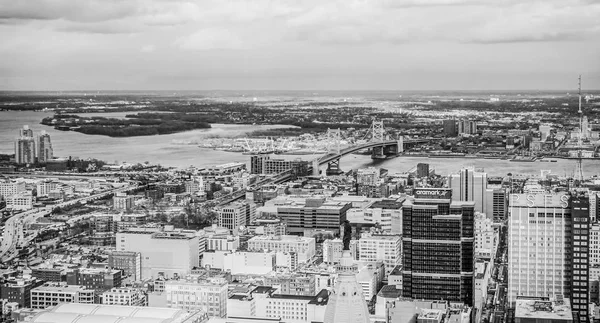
point(543, 309)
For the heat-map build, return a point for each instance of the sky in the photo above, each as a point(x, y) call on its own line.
point(299, 44)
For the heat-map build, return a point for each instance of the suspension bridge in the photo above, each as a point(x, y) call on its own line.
point(380, 144)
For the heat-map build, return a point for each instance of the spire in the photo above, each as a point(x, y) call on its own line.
point(347, 302)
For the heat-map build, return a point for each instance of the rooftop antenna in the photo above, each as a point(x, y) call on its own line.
point(579, 172)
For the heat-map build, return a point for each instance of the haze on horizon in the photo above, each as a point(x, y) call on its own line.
point(299, 45)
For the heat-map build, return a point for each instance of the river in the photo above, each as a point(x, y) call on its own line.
point(167, 150)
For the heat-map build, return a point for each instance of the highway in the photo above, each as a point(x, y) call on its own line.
point(11, 236)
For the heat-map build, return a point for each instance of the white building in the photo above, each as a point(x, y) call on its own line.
point(595, 244)
point(367, 176)
point(469, 185)
point(11, 188)
point(241, 262)
point(332, 250)
point(162, 253)
point(223, 242)
point(124, 296)
point(21, 202)
point(44, 188)
point(52, 294)
point(304, 247)
point(194, 293)
point(537, 264)
point(384, 248)
point(263, 302)
point(388, 213)
point(123, 202)
point(485, 240)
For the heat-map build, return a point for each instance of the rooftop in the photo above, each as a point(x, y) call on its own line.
point(390, 291)
point(92, 313)
point(542, 308)
point(387, 204)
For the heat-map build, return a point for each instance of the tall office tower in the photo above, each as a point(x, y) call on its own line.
point(44, 152)
point(580, 251)
point(538, 245)
point(450, 127)
point(422, 170)
point(437, 247)
point(26, 132)
point(469, 185)
point(25, 150)
point(594, 198)
point(496, 203)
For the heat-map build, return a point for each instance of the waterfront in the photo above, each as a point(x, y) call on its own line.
point(171, 150)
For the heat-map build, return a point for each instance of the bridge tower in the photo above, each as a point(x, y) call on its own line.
point(334, 138)
point(378, 135)
point(333, 147)
point(378, 131)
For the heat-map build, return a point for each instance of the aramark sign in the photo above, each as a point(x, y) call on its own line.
point(433, 193)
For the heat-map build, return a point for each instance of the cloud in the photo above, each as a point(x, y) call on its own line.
point(210, 38)
point(148, 49)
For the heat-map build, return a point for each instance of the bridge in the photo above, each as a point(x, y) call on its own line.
point(381, 147)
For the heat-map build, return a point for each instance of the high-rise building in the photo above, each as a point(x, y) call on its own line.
point(236, 214)
point(26, 132)
point(467, 127)
point(438, 247)
point(580, 251)
point(496, 204)
point(422, 170)
point(538, 245)
point(450, 128)
point(44, 152)
point(469, 185)
point(25, 150)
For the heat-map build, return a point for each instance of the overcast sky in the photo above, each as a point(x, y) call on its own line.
point(296, 44)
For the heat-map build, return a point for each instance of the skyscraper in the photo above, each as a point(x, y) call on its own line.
point(25, 150)
point(538, 244)
point(438, 243)
point(496, 203)
point(26, 132)
point(580, 251)
point(44, 152)
point(470, 185)
point(450, 127)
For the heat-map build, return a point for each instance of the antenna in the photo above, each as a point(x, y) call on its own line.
point(579, 172)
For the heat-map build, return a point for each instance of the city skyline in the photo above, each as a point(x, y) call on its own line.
point(387, 45)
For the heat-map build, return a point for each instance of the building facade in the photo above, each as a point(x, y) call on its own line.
point(438, 247)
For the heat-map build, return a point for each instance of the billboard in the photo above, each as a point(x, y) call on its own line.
point(433, 193)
